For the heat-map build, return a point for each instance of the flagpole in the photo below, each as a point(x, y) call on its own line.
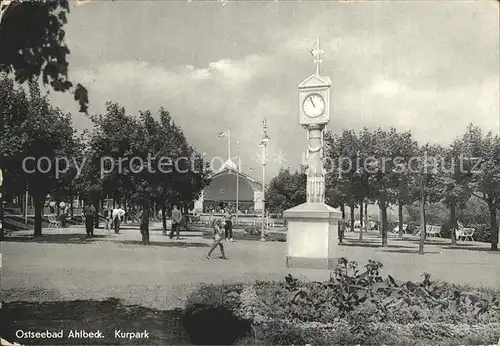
point(229, 144)
point(237, 180)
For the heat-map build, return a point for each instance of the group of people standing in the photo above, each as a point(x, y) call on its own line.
point(113, 218)
point(63, 207)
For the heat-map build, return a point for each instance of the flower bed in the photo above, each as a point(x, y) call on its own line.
point(353, 307)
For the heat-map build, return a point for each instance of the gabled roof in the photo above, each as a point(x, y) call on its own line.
point(230, 167)
point(315, 81)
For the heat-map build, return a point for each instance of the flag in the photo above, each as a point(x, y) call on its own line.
point(222, 134)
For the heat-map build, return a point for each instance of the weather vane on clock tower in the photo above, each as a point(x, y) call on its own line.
point(317, 53)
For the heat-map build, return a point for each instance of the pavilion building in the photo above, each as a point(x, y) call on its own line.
point(228, 186)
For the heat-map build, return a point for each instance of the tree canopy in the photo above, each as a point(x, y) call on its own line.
point(32, 37)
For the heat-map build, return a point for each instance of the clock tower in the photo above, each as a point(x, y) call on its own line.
point(312, 236)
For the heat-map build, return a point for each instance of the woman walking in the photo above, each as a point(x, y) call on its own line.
point(218, 237)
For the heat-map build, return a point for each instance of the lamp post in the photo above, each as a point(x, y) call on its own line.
point(263, 145)
point(238, 181)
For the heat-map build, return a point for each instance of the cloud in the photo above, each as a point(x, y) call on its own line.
point(431, 68)
point(387, 88)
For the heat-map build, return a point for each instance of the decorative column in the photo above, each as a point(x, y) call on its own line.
point(312, 235)
point(315, 171)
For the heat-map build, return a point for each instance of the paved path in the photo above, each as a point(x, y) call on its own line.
point(66, 265)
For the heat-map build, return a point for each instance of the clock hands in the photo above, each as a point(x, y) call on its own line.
point(312, 102)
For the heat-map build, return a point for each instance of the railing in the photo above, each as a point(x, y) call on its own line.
point(243, 220)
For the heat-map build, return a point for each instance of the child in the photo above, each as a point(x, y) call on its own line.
point(218, 237)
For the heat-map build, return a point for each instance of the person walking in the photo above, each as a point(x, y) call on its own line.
point(228, 226)
point(117, 218)
point(89, 213)
point(108, 215)
point(217, 226)
point(176, 222)
point(341, 229)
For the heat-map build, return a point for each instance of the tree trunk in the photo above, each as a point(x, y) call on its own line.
point(422, 223)
point(164, 217)
point(2, 231)
point(425, 219)
point(39, 202)
point(58, 209)
point(453, 221)
point(20, 201)
point(342, 209)
point(494, 226)
point(125, 209)
point(96, 205)
point(361, 220)
point(71, 207)
point(400, 218)
point(366, 216)
point(145, 222)
point(351, 206)
point(383, 224)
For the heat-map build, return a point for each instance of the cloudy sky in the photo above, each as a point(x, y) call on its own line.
point(429, 67)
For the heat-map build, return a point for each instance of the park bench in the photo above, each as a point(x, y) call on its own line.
point(433, 231)
point(269, 222)
point(53, 222)
point(465, 234)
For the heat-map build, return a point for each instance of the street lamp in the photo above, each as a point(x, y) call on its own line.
point(263, 145)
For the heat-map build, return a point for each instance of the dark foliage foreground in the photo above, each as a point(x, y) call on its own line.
point(353, 307)
point(164, 327)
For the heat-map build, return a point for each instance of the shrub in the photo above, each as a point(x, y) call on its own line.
point(482, 232)
point(209, 317)
point(353, 307)
point(252, 230)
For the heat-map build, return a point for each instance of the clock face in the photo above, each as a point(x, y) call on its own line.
point(314, 105)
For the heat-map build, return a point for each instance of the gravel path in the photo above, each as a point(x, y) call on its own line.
point(64, 265)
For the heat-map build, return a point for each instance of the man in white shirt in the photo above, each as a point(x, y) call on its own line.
point(63, 215)
point(117, 216)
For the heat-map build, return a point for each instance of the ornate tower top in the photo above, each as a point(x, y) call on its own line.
point(317, 53)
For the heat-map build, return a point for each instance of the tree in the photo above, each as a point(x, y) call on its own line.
point(286, 190)
point(32, 38)
point(481, 165)
point(34, 137)
point(426, 183)
point(382, 172)
point(335, 190)
point(455, 192)
point(404, 150)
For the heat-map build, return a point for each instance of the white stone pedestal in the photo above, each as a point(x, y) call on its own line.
point(312, 236)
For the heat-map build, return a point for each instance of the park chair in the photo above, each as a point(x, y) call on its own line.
point(465, 234)
point(433, 231)
point(53, 222)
